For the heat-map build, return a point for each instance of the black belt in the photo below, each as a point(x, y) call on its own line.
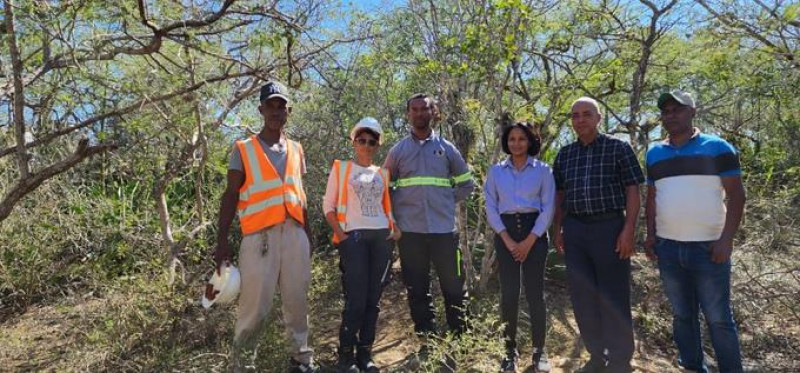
point(600, 216)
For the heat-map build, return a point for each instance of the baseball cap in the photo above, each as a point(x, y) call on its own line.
point(274, 89)
point(370, 124)
point(681, 97)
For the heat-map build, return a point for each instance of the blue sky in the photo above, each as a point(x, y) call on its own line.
point(372, 5)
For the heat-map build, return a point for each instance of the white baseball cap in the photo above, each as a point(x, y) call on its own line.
point(368, 123)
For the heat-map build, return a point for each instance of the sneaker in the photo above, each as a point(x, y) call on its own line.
point(298, 367)
point(593, 366)
point(508, 365)
point(540, 362)
point(364, 360)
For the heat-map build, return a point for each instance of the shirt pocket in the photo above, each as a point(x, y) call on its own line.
point(436, 162)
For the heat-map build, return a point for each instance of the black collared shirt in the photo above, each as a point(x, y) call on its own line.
point(594, 176)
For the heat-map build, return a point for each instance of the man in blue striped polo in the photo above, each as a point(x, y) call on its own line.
point(690, 230)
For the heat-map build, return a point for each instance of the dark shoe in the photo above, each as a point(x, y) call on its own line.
point(616, 367)
point(508, 365)
point(593, 366)
point(298, 367)
point(347, 361)
point(364, 360)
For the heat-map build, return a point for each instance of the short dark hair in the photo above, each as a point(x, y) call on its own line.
point(431, 102)
point(534, 141)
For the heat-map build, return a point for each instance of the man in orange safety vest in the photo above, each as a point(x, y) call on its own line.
point(265, 189)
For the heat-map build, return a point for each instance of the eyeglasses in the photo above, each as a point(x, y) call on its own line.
point(370, 142)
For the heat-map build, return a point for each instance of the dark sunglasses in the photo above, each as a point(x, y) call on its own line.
point(370, 142)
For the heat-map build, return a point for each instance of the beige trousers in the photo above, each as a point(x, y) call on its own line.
point(278, 255)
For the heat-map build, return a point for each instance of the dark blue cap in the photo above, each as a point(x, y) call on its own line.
point(274, 89)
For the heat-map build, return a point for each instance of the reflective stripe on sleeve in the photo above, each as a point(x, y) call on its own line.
point(458, 179)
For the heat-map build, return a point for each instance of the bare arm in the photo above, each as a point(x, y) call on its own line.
point(558, 219)
point(650, 222)
point(722, 248)
point(227, 211)
point(625, 240)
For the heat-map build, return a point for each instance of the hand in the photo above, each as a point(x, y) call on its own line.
point(211, 292)
point(558, 241)
point(511, 245)
point(222, 255)
point(625, 246)
point(649, 248)
point(721, 250)
point(340, 235)
point(524, 247)
point(394, 235)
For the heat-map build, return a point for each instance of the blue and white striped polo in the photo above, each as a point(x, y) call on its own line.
point(689, 195)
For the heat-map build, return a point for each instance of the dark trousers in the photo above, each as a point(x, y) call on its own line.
point(600, 287)
point(519, 227)
point(417, 251)
point(364, 261)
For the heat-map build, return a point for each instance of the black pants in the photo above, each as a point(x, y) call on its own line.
point(417, 251)
point(519, 227)
point(364, 261)
point(600, 287)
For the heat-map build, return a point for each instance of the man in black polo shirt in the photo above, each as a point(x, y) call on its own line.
point(597, 204)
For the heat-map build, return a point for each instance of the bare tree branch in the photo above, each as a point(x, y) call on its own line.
point(27, 185)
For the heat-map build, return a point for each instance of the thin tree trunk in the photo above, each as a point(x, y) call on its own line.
point(18, 101)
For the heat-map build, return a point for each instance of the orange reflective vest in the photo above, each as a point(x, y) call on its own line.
point(265, 199)
point(342, 171)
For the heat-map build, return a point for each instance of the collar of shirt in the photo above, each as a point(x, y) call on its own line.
point(599, 139)
point(530, 162)
point(422, 141)
point(695, 133)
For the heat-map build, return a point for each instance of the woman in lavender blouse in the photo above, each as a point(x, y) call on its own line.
point(520, 202)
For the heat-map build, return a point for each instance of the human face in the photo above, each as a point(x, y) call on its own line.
point(366, 144)
point(677, 118)
point(585, 119)
point(275, 112)
point(518, 143)
point(420, 113)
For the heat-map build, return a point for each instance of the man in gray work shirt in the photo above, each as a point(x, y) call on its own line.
point(429, 176)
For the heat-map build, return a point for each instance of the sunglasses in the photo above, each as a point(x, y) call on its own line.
point(370, 142)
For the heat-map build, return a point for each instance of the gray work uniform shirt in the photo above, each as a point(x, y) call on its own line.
point(425, 208)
